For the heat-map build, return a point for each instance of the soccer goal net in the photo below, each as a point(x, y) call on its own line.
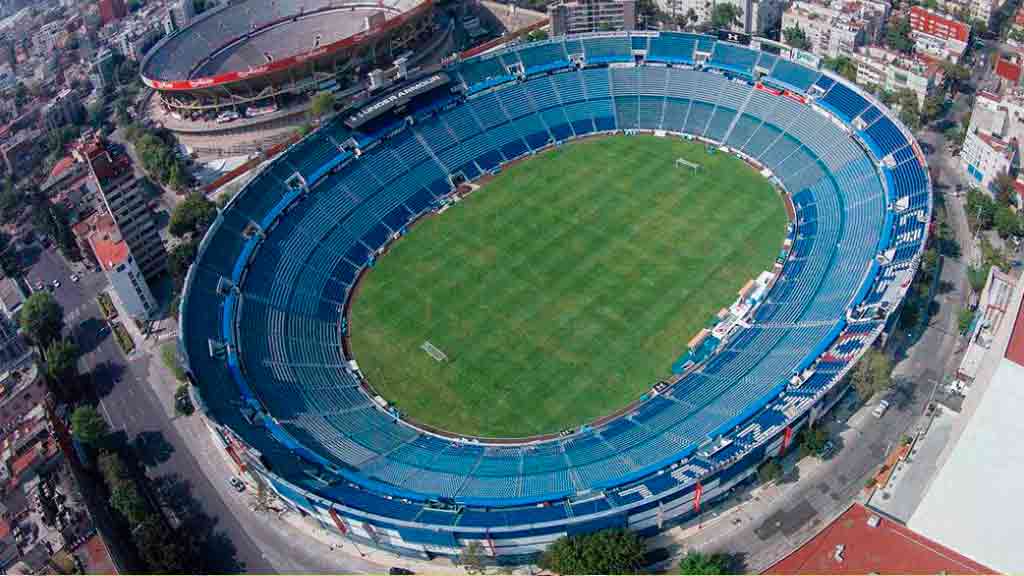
point(434, 352)
point(684, 163)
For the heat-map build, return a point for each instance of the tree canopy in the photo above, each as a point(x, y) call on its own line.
point(192, 216)
point(898, 35)
point(725, 15)
point(62, 362)
point(614, 551)
point(796, 37)
point(88, 426)
point(42, 319)
point(812, 441)
point(872, 374)
point(700, 563)
point(321, 104)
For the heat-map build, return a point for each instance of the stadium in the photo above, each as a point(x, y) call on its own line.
point(256, 56)
point(274, 334)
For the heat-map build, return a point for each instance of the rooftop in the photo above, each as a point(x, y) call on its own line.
point(1015, 350)
point(862, 542)
point(105, 239)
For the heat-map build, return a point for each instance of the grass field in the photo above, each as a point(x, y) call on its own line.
point(564, 288)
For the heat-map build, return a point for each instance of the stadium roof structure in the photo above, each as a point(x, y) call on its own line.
point(263, 312)
point(246, 41)
point(973, 505)
point(860, 541)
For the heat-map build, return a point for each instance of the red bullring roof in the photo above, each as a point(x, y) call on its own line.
point(850, 545)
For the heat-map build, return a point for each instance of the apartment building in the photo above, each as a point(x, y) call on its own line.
point(577, 16)
point(125, 198)
point(834, 29)
point(938, 34)
point(996, 128)
point(896, 72)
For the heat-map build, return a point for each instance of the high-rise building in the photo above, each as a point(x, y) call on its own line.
point(111, 10)
point(578, 16)
point(65, 108)
point(125, 199)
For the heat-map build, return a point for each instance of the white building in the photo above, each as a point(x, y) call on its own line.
point(982, 10)
point(991, 145)
point(896, 72)
point(138, 38)
point(45, 39)
point(114, 257)
point(833, 29)
point(940, 35)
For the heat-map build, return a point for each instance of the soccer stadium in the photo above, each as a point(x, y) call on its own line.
point(254, 56)
point(498, 303)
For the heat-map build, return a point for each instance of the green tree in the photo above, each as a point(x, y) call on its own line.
point(42, 319)
point(872, 374)
point(910, 114)
point(88, 426)
point(125, 498)
point(725, 15)
point(796, 37)
point(769, 471)
point(977, 276)
point(192, 216)
point(62, 363)
point(471, 558)
point(1003, 189)
point(163, 551)
point(96, 113)
point(179, 259)
point(898, 35)
point(697, 563)
point(964, 319)
point(1007, 222)
point(12, 200)
point(981, 209)
point(613, 551)
point(933, 107)
point(321, 105)
point(843, 66)
point(8, 257)
point(812, 441)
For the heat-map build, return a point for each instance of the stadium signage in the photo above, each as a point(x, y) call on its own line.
point(396, 98)
point(734, 37)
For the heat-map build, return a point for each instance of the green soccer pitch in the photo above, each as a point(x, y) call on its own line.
point(565, 287)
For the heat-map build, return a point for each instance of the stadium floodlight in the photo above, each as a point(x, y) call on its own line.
point(434, 351)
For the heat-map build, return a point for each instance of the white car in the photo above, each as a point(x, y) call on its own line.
point(56, 283)
point(74, 277)
point(879, 410)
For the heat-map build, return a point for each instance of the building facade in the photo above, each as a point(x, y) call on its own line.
point(592, 16)
point(897, 72)
point(939, 34)
point(991, 144)
point(124, 197)
point(104, 239)
point(66, 108)
point(111, 10)
point(832, 30)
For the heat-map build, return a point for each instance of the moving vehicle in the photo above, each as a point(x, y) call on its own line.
point(879, 410)
point(237, 484)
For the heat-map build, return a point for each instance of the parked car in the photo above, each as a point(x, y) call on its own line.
point(56, 283)
point(74, 277)
point(237, 484)
point(879, 410)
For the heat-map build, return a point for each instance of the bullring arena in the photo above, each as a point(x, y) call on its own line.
point(373, 201)
point(246, 66)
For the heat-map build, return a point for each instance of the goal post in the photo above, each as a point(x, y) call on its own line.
point(684, 163)
point(434, 351)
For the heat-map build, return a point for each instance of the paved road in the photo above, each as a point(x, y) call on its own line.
point(135, 396)
point(764, 525)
